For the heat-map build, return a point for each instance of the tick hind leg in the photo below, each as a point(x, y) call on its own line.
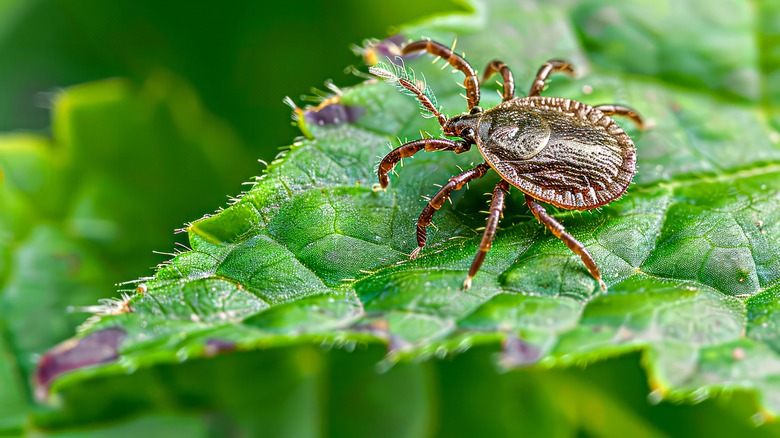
point(619, 110)
point(506, 74)
point(558, 231)
point(496, 209)
point(455, 183)
point(407, 150)
point(471, 83)
point(548, 68)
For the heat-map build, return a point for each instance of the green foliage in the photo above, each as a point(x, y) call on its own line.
point(312, 256)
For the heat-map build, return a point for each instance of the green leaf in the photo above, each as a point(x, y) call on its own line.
point(311, 254)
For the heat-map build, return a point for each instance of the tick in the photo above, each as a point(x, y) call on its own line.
point(555, 150)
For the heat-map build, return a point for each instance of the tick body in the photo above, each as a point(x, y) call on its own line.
point(555, 150)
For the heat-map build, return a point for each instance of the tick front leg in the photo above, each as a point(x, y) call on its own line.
point(455, 60)
point(558, 231)
point(496, 209)
point(407, 150)
point(548, 68)
point(619, 110)
point(506, 74)
point(455, 183)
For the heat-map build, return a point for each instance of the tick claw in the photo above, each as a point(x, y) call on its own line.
point(603, 285)
point(467, 284)
point(415, 253)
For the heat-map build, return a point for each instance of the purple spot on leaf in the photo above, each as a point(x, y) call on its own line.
point(518, 353)
point(388, 49)
point(219, 346)
point(93, 349)
point(333, 114)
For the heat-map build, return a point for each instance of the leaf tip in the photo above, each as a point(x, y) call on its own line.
point(96, 348)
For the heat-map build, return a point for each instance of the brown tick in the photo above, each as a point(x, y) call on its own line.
point(555, 150)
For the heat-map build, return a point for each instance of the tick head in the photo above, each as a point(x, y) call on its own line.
point(463, 125)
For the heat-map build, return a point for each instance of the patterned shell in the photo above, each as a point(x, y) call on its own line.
point(558, 151)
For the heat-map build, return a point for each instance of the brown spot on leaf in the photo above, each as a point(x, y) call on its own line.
point(381, 325)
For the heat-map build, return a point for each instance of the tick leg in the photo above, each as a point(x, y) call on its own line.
point(506, 74)
point(496, 209)
point(407, 150)
point(471, 83)
point(455, 183)
point(619, 110)
point(558, 231)
point(548, 68)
